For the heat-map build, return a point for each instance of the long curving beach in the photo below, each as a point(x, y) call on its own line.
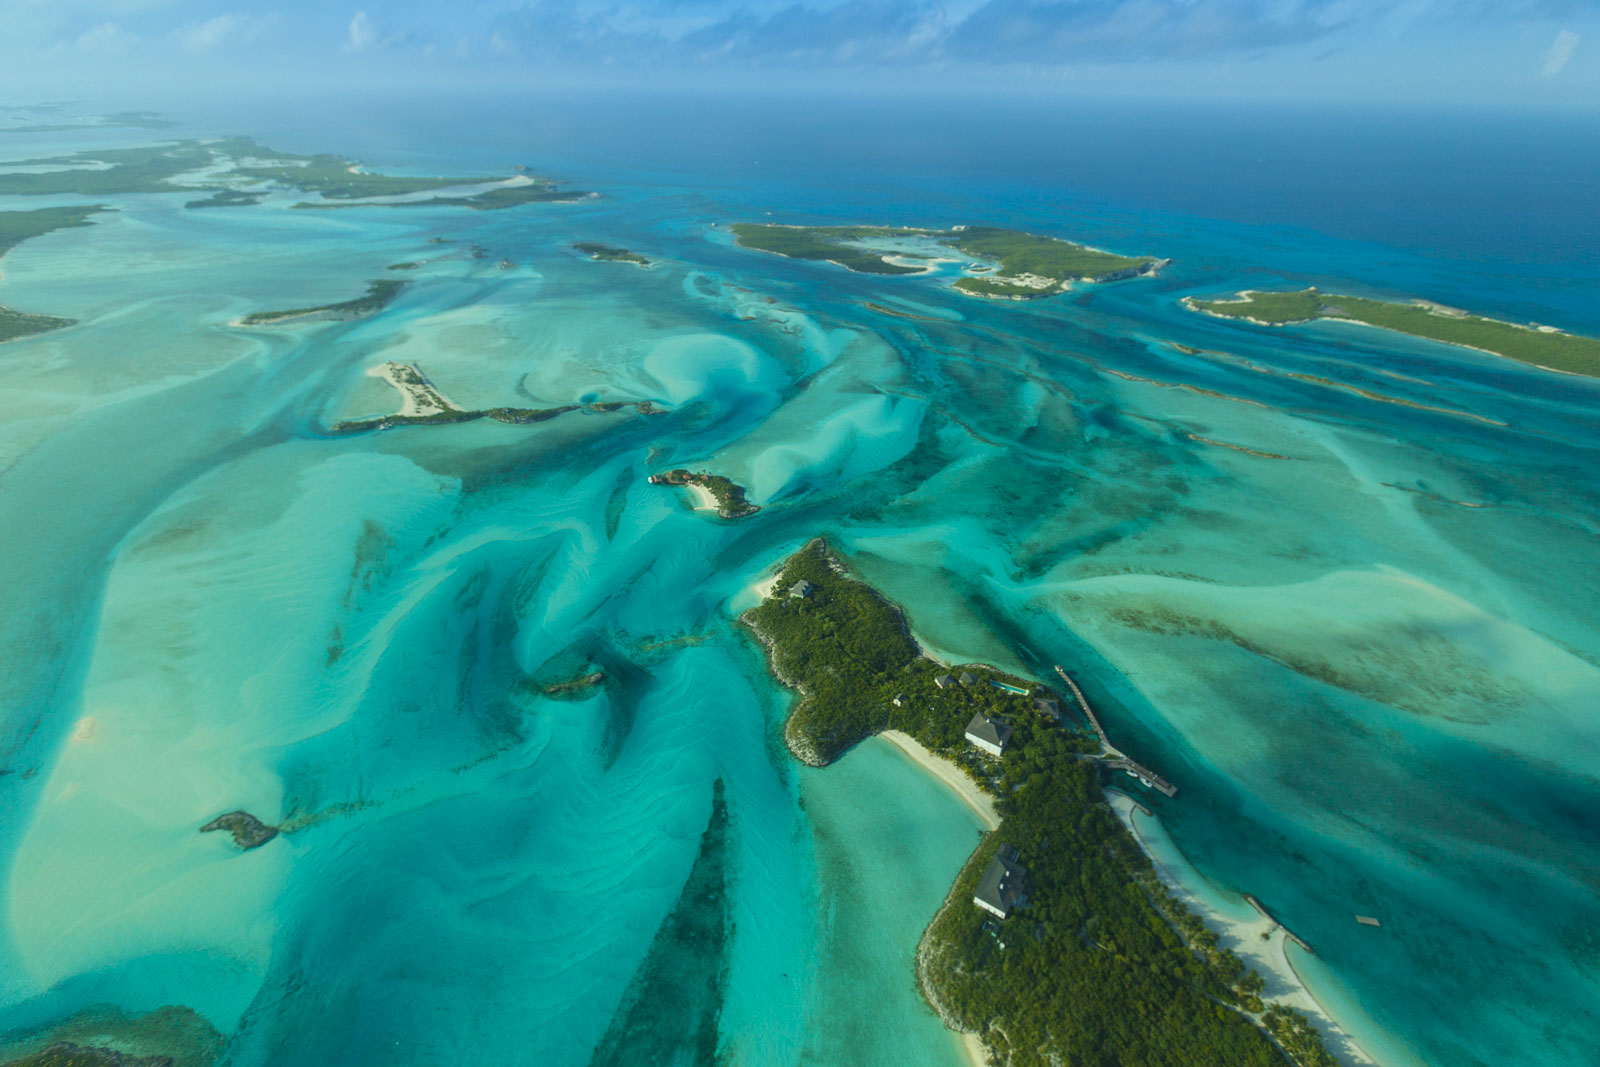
point(1262, 942)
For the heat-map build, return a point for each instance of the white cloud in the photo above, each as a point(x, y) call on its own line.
point(222, 29)
point(363, 32)
point(1560, 53)
point(105, 39)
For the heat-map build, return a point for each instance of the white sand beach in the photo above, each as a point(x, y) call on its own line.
point(704, 501)
point(414, 400)
point(1269, 956)
point(948, 773)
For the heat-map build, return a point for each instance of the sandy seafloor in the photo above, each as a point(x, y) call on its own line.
point(1368, 658)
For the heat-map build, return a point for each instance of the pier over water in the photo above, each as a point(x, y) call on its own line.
point(1114, 757)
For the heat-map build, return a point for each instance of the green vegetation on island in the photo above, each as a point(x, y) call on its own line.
point(728, 494)
point(248, 831)
point(1017, 265)
point(1100, 965)
point(18, 324)
point(1541, 346)
point(1026, 254)
point(826, 243)
point(227, 198)
point(610, 253)
point(19, 226)
point(377, 296)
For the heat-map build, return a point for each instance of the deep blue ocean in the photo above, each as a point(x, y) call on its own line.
point(1339, 586)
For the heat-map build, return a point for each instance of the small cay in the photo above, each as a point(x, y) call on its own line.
point(248, 831)
point(727, 495)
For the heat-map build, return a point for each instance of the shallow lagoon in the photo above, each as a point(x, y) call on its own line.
point(1368, 664)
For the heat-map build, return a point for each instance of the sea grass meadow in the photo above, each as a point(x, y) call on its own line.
point(528, 770)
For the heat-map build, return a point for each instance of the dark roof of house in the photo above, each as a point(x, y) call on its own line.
point(994, 731)
point(942, 681)
point(1001, 884)
point(1050, 708)
point(966, 678)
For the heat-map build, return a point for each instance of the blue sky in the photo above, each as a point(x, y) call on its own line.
point(1540, 52)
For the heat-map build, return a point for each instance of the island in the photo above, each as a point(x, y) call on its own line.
point(248, 831)
point(1058, 943)
point(227, 198)
point(1012, 265)
point(610, 254)
point(726, 496)
point(377, 297)
point(234, 168)
point(1539, 346)
point(19, 226)
point(422, 404)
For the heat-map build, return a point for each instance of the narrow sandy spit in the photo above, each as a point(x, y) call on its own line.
point(1268, 955)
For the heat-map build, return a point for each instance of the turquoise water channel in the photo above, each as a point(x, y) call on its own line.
point(1337, 586)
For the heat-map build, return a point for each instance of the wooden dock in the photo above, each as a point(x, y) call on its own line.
point(1115, 758)
point(1144, 774)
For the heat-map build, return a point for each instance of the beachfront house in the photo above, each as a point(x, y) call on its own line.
point(991, 735)
point(944, 681)
point(1050, 709)
point(1000, 888)
point(966, 678)
point(801, 589)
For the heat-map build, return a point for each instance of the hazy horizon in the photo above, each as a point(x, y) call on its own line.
point(1533, 53)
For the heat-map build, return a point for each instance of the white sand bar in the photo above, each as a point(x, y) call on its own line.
point(948, 773)
point(1240, 929)
point(417, 394)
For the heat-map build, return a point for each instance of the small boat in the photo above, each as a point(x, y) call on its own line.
point(1144, 781)
point(1133, 774)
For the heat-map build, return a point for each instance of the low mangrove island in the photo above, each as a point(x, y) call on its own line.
point(1098, 963)
point(610, 253)
point(1012, 265)
point(1540, 346)
point(376, 298)
point(248, 831)
point(726, 496)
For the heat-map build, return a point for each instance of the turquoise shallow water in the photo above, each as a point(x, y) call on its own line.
point(1369, 659)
